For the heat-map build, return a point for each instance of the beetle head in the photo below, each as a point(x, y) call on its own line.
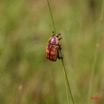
point(56, 35)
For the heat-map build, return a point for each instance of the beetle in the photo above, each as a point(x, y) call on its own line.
point(53, 48)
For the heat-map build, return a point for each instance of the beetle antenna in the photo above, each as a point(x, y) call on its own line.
point(53, 33)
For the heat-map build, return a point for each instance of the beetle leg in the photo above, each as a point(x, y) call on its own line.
point(59, 34)
point(60, 47)
point(58, 55)
point(60, 38)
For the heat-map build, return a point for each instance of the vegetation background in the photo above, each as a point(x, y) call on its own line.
point(26, 76)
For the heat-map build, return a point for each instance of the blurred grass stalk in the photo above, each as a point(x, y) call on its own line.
point(97, 31)
point(67, 84)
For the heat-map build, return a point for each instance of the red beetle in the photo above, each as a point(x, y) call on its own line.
point(53, 47)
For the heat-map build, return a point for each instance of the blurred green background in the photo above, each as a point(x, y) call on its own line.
point(26, 76)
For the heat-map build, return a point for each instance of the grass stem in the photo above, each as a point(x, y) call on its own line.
point(51, 16)
point(68, 89)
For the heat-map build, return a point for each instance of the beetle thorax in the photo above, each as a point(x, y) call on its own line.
point(54, 40)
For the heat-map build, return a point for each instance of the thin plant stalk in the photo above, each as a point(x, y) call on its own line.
point(97, 30)
point(68, 88)
point(67, 85)
point(51, 16)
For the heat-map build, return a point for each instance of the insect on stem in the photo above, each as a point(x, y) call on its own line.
point(68, 89)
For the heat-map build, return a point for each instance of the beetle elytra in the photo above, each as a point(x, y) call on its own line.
point(53, 48)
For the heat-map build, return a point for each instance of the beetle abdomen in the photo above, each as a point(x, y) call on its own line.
point(51, 52)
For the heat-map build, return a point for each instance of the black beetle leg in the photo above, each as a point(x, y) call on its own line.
point(59, 56)
point(60, 38)
point(60, 47)
point(59, 34)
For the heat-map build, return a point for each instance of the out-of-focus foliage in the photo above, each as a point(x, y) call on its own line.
point(26, 76)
